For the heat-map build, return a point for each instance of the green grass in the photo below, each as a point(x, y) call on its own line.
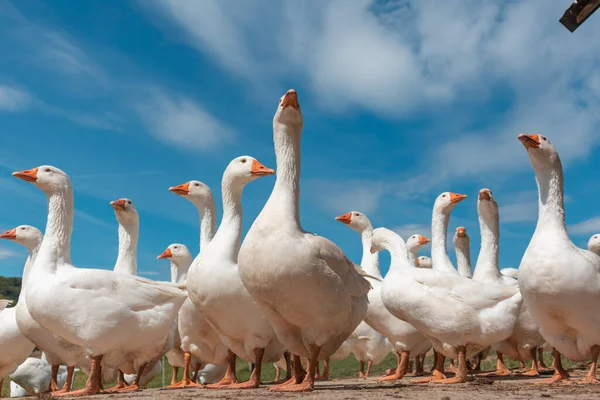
point(347, 368)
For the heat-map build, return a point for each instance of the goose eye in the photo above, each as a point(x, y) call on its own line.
point(174, 247)
point(443, 195)
point(356, 214)
point(196, 184)
point(47, 170)
point(128, 201)
point(243, 160)
point(23, 228)
point(544, 138)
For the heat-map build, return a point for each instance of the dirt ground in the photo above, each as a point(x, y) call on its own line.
point(479, 388)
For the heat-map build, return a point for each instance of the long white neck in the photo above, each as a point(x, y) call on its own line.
point(229, 235)
point(487, 267)
point(439, 252)
point(33, 252)
point(369, 261)
point(398, 252)
point(283, 204)
point(207, 212)
point(179, 269)
point(56, 244)
point(463, 258)
point(128, 240)
point(549, 177)
point(413, 254)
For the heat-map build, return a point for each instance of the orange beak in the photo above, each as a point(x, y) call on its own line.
point(457, 198)
point(290, 99)
point(118, 205)
point(259, 169)
point(165, 254)
point(461, 232)
point(372, 250)
point(345, 218)
point(182, 190)
point(484, 194)
point(423, 240)
point(418, 262)
point(530, 141)
point(29, 175)
point(10, 235)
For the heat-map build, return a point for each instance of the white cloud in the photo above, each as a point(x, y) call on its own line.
point(406, 231)
point(521, 207)
point(7, 253)
point(149, 273)
point(587, 227)
point(341, 196)
point(13, 100)
point(181, 122)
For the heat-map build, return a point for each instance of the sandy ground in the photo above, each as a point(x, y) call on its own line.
point(479, 388)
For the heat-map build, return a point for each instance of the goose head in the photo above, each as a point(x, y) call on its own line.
point(539, 149)
point(415, 242)
point(487, 205)
point(125, 210)
point(446, 202)
point(424, 262)
point(195, 191)
point(383, 239)
point(594, 244)
point(355, 220)
point(176, 252)
point(288, 111)
point(47, 178)
point(26, 235)
point(244, 169)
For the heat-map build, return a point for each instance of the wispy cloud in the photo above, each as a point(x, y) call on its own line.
point(13, 99)
point(7, 253)
point(406, 231)
point(521, 207)
point(341, 196)
point(587, 227)
point(181, 122)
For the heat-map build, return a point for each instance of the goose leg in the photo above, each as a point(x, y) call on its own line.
point(559, 372)
point(438, 371)
point(288, 365)
point(121, 384)
point(435, 357)
point(325, 376)
point(534, 365)
point(185, 381)
point(452, 367)
point(461, 372)
point(196, 373)
point(420, 362)
point(392, 371)
point(401, 369)
point(136, 384)
point(68, 383)
point(541, 364)
point(229, 378)
point(369, 364)
point(309, 380)
point(591, 375)
point(92, 386)
point(277, 373)
point(174, 372)
point(361, 370)
point(501, 369)
point(254, 380)
point(54, 378)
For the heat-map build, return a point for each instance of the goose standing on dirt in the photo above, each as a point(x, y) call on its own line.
point(199, 341)
point(312, 293)
point(558, 280)
point(92, 308)
point(216, 289)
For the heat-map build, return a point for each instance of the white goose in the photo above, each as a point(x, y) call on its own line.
point(424, 262)
point(33, 377)
point(94, 309)
point(198, 338)
point(440, 219)
point(522, 344)
point(558, 280)
point(594, 244)
point(379, 344)
point(217, 290)
point(414, 244)
point(181, 259)
point(462, 246)
point(460, 316)
point(312, 293)
point(14, 346)
point(5, 303)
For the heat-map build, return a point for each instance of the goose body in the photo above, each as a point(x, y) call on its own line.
point(558, 280)
point(94, 309)
point(33, 377)
point(312, 293)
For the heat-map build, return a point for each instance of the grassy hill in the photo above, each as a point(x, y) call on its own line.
point(10, 288)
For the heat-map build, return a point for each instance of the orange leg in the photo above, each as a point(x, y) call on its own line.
point(54, 380)
point(541, 364)
point(325, 376)
point(298, 375)
point(419, 363)
point(229, 378)
point(69, 382)
point(361, 370)
point(392, 371)
point(254, 380)
point(435, 357)
point(501, 369)
point(534, 365)
point(591, 375)
point(185, 381)
point(174, 372)
point(136, 384)
point(309, 381)
point(461, 372)
point(452, 367)
point(92, 386)
point(438, 371)
point(401, 369)
point(121, 384)
point(559, 372)
point(369, 364)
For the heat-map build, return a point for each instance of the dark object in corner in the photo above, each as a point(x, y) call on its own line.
point(579, 11)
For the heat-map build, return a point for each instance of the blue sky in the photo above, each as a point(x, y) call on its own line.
point(402, 100)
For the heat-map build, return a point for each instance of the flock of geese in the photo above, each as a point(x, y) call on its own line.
point(290, 297)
